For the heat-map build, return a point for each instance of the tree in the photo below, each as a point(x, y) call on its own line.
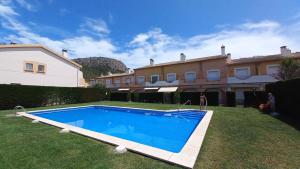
point(97, 85)
point(289, 69)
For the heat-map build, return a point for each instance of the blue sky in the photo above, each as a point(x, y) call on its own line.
point(135, 31)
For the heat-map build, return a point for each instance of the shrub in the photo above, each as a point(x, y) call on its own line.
point(36, 96)
point(212, 98)
point(230, 99)
point(129, 96)
point(115, 96)
point(255, 98)
point(151, 97)
point(287, 96)
point(176, 97)
point(136, 97)
point(289, 69)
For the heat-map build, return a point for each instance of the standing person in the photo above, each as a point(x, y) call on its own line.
point(202, 101)
point(271, 102)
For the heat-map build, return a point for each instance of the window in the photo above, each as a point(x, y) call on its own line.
point(140, 79)
point(29, 67)
point(242, 73)
point(273, 69)
point(190, 76)
point(127, 81)
point(171, 77)
point(213, 75)
point(41, 68)
point(108, 82)
point(154, 78)
point(117, 83)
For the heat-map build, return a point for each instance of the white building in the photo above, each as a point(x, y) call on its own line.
point(37, 65)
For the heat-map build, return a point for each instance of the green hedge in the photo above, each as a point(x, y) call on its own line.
point(119, 97)
point(255, 98)
point(37, 96)
point(230, 99)
point(287, 96)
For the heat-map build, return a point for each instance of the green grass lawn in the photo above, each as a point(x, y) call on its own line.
point(236, 138)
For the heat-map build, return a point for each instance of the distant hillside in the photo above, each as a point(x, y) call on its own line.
point(95, 66)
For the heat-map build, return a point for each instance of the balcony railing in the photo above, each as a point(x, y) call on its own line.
point(252, 79)
point(119, 85)
point(162, 83)
point(165, 83)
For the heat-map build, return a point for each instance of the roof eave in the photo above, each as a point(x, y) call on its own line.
point(43, 47)
point(183, 62)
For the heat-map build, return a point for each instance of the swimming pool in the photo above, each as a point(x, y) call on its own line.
point(166, 131)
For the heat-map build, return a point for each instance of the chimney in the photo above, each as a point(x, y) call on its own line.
point(228, 57)
point(109, 73)
point(151, 62)
point(223, 50)
point(65, 53)
point(288, 51)
point(282, 50)
point(127, 70)
point(182, 57)
point(285, 51)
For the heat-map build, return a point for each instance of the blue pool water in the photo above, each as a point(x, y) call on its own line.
point(164, 130)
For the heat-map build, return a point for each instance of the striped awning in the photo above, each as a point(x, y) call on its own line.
point(167, 89)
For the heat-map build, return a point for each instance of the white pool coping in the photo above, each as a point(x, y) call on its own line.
point(186, 157)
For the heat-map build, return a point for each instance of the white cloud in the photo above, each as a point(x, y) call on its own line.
point(94, 26)
point(243, 40)
point(85, 46)
point(5, 10)
point(140, 38)
point(5, 2)
point(27, 5)
point(267, 24)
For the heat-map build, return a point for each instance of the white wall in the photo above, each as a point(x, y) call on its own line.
point(58, 71)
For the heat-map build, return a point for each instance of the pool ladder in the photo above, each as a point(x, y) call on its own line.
point(190, 103)
point(20, 107)
point(187, 102)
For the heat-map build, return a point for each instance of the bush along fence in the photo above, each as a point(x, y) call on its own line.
point(287, 96)
point(37, 96)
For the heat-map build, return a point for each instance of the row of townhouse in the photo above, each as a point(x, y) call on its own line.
point(214, 74)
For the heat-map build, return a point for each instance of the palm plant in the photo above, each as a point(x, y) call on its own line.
point(289, 69)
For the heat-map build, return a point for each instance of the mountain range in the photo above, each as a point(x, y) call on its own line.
point(96, 66)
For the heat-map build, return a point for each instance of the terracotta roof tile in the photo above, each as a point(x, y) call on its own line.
point(186, 61)
point(263, 58)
